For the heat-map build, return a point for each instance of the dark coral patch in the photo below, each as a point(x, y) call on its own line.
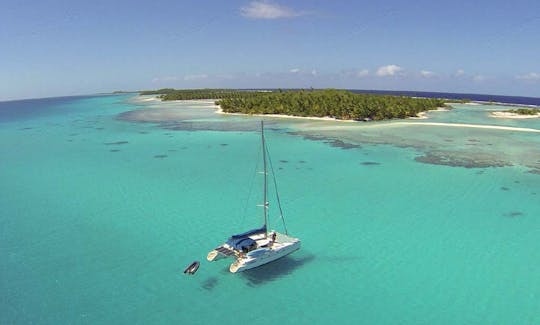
point(454, 160)
point(504, 188)
point(114, 150)
point(341, 144)
point(160, 156)
point(302, 161)
point(115, 143)
point(513, 214)
point(370, 163)
point(284, 161)
point(224, 144)
point(331, 141)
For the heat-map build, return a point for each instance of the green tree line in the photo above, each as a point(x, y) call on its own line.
point(525, 111)
point(340, 104)
point(188, 94)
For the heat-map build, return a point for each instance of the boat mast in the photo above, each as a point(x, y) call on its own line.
point(265, 188)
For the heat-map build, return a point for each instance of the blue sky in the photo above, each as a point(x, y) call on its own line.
point(53, 48)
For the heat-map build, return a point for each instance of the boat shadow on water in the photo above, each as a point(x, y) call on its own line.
point(210, 283)
point(275, 270)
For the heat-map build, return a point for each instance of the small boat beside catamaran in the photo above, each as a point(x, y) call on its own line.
point(257, 247)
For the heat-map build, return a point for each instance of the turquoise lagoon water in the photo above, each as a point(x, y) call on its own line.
point(101, 213)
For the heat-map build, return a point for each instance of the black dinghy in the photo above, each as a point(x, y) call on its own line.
point(192, 268)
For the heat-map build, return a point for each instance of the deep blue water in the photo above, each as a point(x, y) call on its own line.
point(474, 97)
point(22, 108)
point(30, 108)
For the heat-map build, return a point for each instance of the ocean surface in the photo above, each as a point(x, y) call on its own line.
point(106, 199)
point(519, 100)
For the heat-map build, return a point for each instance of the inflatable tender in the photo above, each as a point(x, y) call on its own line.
point(192, 268)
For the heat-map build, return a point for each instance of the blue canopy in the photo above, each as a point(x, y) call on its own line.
point(241, 243)
point(242, 240)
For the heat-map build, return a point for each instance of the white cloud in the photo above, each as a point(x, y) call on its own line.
point(529, 76)
point(427, 74)
point(388, 70)
point(479, 78)
point(191, 77)
point(459, 73)
point(268, 10)
point(295, 70)
point(314, 72)
point(362, 73)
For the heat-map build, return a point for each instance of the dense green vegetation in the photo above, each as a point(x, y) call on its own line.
point(458, 101)
point(525, 111)
point(339, 104)
point(188, 94)
point(158, 92)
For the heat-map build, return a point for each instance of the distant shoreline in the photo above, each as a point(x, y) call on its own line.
point(315, 118)
point(219, 110)
point(513, 115)
point(472, 126)
point(420, 116)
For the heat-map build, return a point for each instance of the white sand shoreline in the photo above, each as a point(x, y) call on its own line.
point(511, 115)
point(463, 125)
point(220, 111)
point(422, 115)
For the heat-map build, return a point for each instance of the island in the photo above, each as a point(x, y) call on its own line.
point(519, 113)
point(324, 103)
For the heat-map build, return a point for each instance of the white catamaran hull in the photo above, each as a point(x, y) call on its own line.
point(256, 247)
point(269, 255)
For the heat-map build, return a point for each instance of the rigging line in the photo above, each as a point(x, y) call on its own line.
point(276, 188)
point(254, 175)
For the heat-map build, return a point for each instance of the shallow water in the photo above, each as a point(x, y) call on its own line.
point(100, 215)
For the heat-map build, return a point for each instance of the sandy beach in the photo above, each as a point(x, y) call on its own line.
point(423, 115)
point(513, 115)
point(327, 118)
point(462, 125)
point(174, 113)
point(146, 99)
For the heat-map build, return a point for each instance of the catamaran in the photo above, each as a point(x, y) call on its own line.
point(257, 246)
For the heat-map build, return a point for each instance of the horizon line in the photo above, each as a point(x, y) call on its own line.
point(119, 92)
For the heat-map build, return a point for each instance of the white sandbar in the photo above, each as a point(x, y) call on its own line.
point(513, 115)
point(474, 126)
